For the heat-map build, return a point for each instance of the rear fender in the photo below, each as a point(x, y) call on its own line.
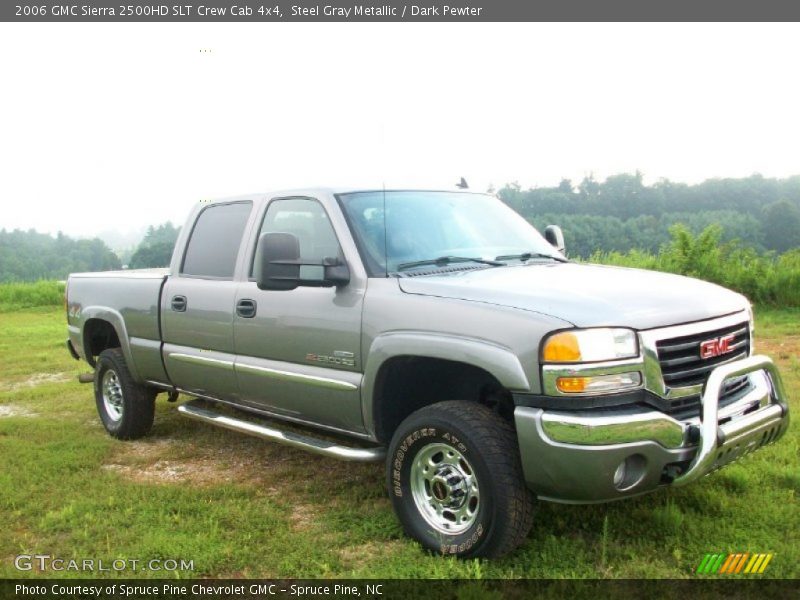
point(116, 320)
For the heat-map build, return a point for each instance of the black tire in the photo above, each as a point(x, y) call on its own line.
point(127, 415)
point(483, 447)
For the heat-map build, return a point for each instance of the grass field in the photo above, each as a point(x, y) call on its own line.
point(237, 506)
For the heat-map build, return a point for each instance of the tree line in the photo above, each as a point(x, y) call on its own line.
point(618, 215)
point(31, 256)
point(622, 213)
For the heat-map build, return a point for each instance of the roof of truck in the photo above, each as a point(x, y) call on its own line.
point(321, 190)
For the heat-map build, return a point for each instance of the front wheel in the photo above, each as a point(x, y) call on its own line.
point(456, 482)
point(126, 408)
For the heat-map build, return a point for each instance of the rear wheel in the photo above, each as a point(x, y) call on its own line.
point(126, 408)
point(456, 483)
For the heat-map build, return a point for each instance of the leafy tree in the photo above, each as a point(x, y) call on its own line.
point(781, 226)
point(762, 277)
point(30, 256)
point(622, 213)
point(155, 250)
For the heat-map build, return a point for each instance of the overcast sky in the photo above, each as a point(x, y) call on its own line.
point(123, 125)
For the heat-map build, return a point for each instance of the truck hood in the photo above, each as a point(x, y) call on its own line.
point(586, 295)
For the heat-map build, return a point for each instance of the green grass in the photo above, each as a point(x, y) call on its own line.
point(14, 296)
point(238, 506)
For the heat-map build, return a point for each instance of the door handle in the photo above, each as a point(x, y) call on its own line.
point(178, 303)
point(246, 308)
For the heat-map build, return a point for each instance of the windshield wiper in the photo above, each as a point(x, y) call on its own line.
point(530, 255)
point(446, 260)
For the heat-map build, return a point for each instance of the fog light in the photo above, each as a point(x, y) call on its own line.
point(599, 383)
point(630, 472)
point(619, 474)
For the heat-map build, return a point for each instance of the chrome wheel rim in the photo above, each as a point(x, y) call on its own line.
point(445, 488)
point(112, 395)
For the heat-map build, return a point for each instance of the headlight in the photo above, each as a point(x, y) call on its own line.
point(590, 345)
point(751, 322)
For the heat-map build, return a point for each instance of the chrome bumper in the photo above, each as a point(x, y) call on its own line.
point(575, 456)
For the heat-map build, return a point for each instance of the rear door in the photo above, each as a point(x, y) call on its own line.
point(198, 303)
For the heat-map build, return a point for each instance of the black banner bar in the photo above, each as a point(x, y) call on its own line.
point(276, 11)
point(389, 589)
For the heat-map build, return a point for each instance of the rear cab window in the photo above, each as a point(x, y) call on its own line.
point(215, 241)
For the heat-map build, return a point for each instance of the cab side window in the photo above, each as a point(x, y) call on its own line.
point(215, 240)
point(306, 219)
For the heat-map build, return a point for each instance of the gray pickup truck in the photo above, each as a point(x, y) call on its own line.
point(442, 333)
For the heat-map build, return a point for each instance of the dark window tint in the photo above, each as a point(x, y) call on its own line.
point(215, 240)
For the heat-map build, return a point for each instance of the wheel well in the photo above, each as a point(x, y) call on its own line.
point(405, 384)
point(98, 335)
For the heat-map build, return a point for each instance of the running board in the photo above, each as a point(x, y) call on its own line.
point(290, 438)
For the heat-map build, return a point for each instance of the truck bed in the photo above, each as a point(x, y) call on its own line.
point(130, 301)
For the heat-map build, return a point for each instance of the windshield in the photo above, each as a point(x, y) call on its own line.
point(422, 226)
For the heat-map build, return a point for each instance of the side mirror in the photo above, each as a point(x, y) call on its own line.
point(278, 265)
point(555, 237)
point(335, 271)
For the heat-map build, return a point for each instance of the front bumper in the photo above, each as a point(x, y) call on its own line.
point(609, 454)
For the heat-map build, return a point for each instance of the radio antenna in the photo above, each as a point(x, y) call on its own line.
point(385, 242)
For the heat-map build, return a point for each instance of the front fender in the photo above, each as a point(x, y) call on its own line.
point(497, 360)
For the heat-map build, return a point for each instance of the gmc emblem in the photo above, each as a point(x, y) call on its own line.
point(716, 347)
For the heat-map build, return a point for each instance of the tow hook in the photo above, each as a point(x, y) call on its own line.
point(693, 434)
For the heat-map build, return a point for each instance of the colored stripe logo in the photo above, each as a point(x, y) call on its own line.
point(732, 564)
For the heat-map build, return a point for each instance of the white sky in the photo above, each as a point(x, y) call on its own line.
point(123, 125)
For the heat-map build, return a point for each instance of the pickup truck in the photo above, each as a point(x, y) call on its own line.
point(440, 332)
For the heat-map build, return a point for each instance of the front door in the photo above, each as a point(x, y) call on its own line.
point(298, 351)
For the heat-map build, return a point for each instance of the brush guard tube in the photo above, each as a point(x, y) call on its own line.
point(721, 444)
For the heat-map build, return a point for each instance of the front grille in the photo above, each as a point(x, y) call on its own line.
point(680, 360)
